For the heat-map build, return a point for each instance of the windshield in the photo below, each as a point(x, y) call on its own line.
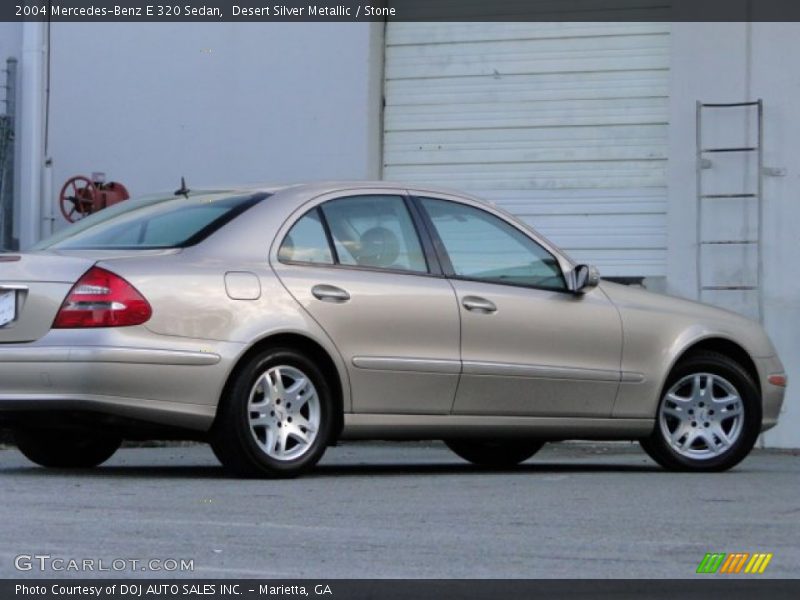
point(153, 222)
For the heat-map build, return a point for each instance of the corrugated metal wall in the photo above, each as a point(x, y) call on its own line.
point(563, 124)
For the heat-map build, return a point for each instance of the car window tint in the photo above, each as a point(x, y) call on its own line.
point(171, 222)
point(374, 231)
point(306, 242)
point(484, 247)
point(163, 230)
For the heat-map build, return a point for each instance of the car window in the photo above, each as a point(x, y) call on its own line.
point(171, 222)
point(484, 247)
point(306, 242)
point(374, 231)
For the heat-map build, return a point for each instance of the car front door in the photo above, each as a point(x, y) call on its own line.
point(356, 263)
point(529, 346)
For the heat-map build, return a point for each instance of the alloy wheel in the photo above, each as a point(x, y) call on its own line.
point(701, 416)
point(284, 413)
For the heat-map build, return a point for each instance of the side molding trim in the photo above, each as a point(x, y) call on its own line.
point(538, 371)
point(108, 354)
point(419, 365)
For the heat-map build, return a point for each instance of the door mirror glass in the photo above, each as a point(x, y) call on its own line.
point(586, 278)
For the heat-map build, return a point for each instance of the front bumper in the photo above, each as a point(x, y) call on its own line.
point(772, 395)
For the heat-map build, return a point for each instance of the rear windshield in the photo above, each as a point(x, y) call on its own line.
point(173, 222)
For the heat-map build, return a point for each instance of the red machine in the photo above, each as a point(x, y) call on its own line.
point(82, 196)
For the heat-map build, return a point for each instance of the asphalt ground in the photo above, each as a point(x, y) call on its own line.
point(381, 510)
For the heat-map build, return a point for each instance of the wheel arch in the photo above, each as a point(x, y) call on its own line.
point(721, 345)
point(657, 446)
point(303, 343)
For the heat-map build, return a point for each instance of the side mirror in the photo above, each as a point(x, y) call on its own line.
point(585, 278)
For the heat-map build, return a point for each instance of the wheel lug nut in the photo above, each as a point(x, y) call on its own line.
point(705, 424)
point(288, 405)
point(272, 413)
point(289, 419)
point(691, 412)
point(694, 423)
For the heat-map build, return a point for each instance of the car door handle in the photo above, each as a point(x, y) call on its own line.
point(479, 305)
point(330, 293)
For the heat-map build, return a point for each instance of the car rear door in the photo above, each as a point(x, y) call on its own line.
point(528, 345)
point(356, 263)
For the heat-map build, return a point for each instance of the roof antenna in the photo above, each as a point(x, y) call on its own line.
point(183, 191)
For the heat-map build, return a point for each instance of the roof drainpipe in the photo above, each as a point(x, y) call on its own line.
point(31, 131)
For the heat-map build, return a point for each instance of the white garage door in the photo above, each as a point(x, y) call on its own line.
point(562, 124)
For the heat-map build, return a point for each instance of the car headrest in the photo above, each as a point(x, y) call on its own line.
point(378, 247)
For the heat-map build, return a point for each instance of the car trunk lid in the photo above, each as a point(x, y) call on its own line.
point(32, 288)
point(34, 285)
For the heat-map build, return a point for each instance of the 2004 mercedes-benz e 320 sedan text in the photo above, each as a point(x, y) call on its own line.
point(273, 323)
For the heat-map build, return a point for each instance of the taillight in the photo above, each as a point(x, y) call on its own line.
point(101, 298)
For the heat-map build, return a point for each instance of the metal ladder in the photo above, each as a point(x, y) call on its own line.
point(704, 163)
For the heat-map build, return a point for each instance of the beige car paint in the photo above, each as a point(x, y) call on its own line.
point(397, 341)
point(390, 316)
point(542, 353)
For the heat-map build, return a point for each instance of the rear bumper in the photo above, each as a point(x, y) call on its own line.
point(177, 386)
point(772, 395)
point(24, 407)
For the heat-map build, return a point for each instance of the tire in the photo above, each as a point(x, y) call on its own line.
point(263, 427)
point(494, 453)
point(59, 449)
point(709, 415)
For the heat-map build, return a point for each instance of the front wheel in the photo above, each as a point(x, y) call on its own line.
point(709, 416)
point(276, 418)
point(65, 449)
point(494, 453)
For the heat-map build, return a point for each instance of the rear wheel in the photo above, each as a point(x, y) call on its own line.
point(65, 449)
point(709, 416)
point(276, 418)
point(495, 453)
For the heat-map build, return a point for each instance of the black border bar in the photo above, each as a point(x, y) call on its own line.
point(399, 10)
point(702, 587)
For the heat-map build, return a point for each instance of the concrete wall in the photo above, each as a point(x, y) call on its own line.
point(779, 84)
point(10, 40)
point(217, 103)
point(11, 47)
point(730, 62)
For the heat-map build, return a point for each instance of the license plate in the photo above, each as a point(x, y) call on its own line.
point(8, 306)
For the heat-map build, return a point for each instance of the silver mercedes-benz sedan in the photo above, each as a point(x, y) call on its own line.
point(275, 322)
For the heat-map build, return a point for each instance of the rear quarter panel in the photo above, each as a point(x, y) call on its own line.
point(191, 305)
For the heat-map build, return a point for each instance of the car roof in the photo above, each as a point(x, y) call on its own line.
point(316, 188)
